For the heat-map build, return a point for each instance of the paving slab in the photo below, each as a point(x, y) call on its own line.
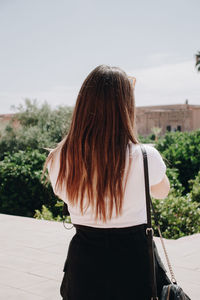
point(32, 255)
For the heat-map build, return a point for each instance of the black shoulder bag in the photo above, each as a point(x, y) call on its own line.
point(161, 286)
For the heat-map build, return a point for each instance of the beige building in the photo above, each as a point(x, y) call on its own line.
point(182, 117)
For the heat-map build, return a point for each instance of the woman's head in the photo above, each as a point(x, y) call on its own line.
point(93, 153)
point(105, 105)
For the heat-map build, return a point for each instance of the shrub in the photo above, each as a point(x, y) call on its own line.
point(178, 216)
point(195, 188)
point(181, 150)
point(175, 186)
point(21, 188)
point(150, 139)
point(46, 214)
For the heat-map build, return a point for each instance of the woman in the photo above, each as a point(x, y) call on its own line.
point(97, 169)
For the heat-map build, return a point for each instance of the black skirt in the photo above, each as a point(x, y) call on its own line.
point(107, 264)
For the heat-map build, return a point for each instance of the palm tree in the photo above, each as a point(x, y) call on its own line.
point(198, 61)
point(156, 131)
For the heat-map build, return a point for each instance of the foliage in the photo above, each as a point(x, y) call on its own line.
point(40, 127)
point(178, 216)
point(195, 188)
point(181, 151)
point(14, 140)
point(46, 214)
point(21, 188)
point(176, 188)
point(150, 139)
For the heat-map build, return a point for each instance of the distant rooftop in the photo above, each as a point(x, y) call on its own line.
point(169, 107)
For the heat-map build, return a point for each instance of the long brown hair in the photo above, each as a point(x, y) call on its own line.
point(93, 154)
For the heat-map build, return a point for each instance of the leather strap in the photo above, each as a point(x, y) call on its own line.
point(65, 210)
point(149, 230)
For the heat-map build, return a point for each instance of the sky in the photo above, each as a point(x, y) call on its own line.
point(48, 47)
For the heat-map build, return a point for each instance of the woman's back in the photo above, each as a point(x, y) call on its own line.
point(134, 203)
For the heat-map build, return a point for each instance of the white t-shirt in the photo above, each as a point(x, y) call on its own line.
point(134, 206)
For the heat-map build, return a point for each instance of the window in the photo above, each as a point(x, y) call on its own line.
point(179, 127)
point(168, 127)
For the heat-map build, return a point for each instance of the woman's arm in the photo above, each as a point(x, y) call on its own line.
point(161, 190)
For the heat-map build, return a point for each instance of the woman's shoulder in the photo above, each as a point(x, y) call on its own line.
point(150, 148)
point(152, 152)
point(136, 148)
point(156, 165)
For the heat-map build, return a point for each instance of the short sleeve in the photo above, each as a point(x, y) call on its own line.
point(156, 165)
point(53, 167)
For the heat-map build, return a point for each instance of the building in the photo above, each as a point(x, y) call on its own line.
point(182, 117)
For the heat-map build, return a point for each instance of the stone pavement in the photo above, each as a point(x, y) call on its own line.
point(32, 254)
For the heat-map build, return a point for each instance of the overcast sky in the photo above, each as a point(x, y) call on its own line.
point(48, 47)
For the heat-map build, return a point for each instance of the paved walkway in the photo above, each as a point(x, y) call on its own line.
point(32, 254)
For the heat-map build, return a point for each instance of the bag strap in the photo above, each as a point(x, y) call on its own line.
point(149, 203)
point(149, 229)
point(65, 213)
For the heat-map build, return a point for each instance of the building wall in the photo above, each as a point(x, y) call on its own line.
point(168, 117)
point(196, 118)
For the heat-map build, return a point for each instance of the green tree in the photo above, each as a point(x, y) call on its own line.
point(40, 127)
